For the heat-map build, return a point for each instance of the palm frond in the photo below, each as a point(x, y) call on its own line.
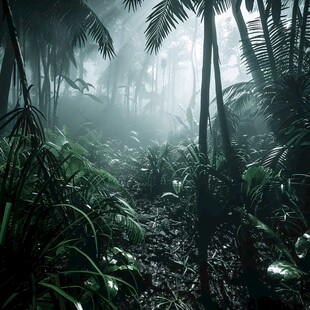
point(286, 105)
point(237, 96)
point(81, 20)
point(132, 4)
point(220, 6)
point(165, 16)
point(276, 158)
point(131, 227)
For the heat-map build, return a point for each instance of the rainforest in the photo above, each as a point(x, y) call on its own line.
point(154, 154)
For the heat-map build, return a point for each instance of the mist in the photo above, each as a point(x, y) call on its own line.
point(154, 154)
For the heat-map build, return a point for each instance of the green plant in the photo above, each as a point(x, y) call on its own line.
point(61, 219)
point(157, 167)
point(173, 302)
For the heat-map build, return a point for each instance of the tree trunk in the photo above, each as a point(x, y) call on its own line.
point(6, 76)
point(203, 195)
point(17, 51)
point(193, 63)
point(247, 47)
point(205, 81)
point(303, 36)
point(227, 147)
point(293, 37)
point(115, 81)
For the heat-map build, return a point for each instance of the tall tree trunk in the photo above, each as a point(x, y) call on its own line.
point(247, 47)
point(293, 37)
point(206, 79)
point(17, 51)
point(203, 195)
point(303, 36)
point(193, 63)
point(128, 95)
point(139, 83)
point(6, 75)
point(115, 82)
point(227, 147)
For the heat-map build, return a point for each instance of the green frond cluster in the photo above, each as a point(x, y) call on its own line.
point(62, 215)
point(165, 16)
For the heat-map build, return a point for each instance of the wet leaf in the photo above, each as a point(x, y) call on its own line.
point(302, 245)
point(169, 194)
point(284, 271)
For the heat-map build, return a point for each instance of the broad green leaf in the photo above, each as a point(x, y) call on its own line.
point(302, 245)
point(270, 235)
point(284, 271)
point(130, 258)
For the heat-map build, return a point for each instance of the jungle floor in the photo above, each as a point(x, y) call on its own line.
point(167, 262)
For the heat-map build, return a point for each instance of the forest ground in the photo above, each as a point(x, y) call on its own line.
point(167, 259)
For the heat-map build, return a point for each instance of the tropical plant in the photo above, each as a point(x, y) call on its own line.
point(165, 16)
point(76, 21)
point(64, 218)
point(157, 168)
point(61, 215)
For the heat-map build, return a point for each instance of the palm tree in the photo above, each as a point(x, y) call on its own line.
point(166, 14)
point(42, 22)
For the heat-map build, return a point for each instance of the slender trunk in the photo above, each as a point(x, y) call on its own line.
point(6, 76)
point(14, 81)
point(193, 50)
point(139, 82)
point(115, 83)
point(156, 82)
point(172, 87)
point(46, 86)
point(303, 36)
point(227, 147)
point(205, 82)
point(57, 92)
point(81, 70)
point(293, 37)
point(17, 51)
point(40, 103)
point(263, 19)
point(128, 96)
point(203, 195)
point(247, 47)
point(152, 87)
point(163, 65)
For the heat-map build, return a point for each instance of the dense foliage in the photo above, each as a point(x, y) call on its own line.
point(225, 200)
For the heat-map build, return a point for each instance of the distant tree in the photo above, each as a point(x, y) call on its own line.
point(54, 28)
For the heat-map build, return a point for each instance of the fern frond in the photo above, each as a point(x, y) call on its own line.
point(129, 225)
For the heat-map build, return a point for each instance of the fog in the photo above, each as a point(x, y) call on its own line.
point(151, 160)
point(148, 91)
